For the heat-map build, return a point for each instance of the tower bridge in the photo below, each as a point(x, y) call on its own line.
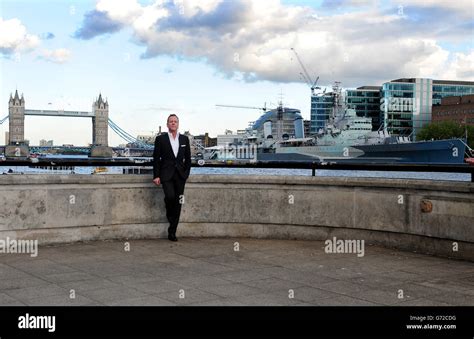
point(17, 146)
point(17, 111)
point(59, 113)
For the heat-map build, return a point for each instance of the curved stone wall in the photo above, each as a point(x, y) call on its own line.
point(416, 215)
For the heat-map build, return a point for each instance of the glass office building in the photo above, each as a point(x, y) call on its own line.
point(397, 102)
point(321, 109)
point(366, 101)
point(402, 106)
point(406, 104)
point(447, 88)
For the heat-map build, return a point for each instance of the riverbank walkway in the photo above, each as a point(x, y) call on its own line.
point(230, 272)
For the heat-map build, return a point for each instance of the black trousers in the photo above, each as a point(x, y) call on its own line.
point(173, 190)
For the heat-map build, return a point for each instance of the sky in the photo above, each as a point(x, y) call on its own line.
point(153, 58)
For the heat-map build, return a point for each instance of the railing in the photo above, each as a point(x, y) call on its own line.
point(310, 165)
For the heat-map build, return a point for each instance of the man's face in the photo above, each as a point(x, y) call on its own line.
point(173, 124)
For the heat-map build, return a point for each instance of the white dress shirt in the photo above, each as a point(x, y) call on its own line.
point(174, 143)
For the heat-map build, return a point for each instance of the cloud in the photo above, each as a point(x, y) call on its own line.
point(14, 37)
point(464, 65)
point(251, 40)
point(97, 23)
point(57, 56)
point(157, 108)
point(461, 66)
point(226, 15)
point(47, 36)
point(463, 8)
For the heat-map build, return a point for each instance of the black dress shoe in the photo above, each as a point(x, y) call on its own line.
point(172, 237)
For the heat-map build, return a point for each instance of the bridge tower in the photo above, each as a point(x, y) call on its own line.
point(100, 127)
point(16, 117)
point(16, 124)
point(100, 122)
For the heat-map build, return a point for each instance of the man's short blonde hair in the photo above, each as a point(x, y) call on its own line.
point(171, 115)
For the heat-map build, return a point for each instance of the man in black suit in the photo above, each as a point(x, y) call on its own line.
point(171, 167)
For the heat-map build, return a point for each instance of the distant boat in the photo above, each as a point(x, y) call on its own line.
point(100, 170)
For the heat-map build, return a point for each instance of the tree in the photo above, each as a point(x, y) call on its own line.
point(447, 130)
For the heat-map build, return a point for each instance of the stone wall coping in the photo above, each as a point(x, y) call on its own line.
point(431, 185)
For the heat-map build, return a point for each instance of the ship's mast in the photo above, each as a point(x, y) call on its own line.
point(338, 100)
point(280, 111)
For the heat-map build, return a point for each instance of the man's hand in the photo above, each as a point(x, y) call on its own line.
point(157, 181)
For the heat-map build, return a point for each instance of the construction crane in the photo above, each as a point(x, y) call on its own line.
point(305, 75)
point(264, 108)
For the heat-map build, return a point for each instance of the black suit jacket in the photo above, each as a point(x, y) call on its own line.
point(165, 164)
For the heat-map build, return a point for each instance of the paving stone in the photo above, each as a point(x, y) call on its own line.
point(211, 273)
point(241, 275)
point(217, 302)
point(9, 284)
point(90, 284)
point(140, 301)
point(28, 293)
point(411, 290)
point(156, 287)
point(266, 299)
point(231, 290)
point(203, 281)
point(43, 267)
point(310, 294)
point(344, 287)
point(67, 277)
point(274, 285)
point(60, 300)
point(104, 295)
point(343, 300)
point(9, 272)
point(191, 296)
point(454, 299)
point(424, 302)
point(7, 300)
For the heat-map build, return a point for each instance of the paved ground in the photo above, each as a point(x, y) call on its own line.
point(210, 272)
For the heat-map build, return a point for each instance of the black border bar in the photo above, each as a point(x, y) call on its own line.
point(223, 322)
